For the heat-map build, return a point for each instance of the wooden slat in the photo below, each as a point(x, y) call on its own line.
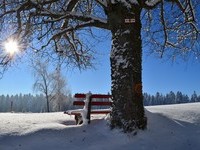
point(79, 103)
point(82, 103)
point(101, 96)
point(79, 95)
point(92, 112)
point(100, 112)
point(107, 103)
point(93, 96)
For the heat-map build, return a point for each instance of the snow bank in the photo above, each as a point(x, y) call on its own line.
point(189, 113)
point(172, 127)
point(25, 123)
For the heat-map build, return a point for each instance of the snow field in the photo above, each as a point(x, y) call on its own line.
point(170, 127)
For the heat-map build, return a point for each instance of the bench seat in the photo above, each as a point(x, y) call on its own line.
point(93, 111)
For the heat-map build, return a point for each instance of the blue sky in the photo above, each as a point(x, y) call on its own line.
point(158, 75)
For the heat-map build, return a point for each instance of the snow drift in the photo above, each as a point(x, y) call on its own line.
point(170, 127)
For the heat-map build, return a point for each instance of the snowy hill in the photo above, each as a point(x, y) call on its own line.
point(170, 127)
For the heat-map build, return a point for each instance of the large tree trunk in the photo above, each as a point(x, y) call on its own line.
point(126, 69)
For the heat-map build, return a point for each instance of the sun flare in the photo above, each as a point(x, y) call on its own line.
point(11, 47)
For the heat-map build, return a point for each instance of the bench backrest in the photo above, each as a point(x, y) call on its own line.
point(89, 103)
point(94, 103)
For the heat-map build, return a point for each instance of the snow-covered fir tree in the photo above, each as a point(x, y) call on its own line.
point(194, 97)
point(29, 103)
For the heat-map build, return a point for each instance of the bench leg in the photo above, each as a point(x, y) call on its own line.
point(78, 119)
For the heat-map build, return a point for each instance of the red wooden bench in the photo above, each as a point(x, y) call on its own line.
point(78, 113)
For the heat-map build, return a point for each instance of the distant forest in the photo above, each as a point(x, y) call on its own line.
point(31, 103)
point(170, 98)
point(37, 103)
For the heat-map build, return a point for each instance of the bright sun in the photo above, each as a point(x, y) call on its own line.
point(11, 47)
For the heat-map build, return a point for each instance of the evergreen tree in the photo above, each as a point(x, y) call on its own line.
point(173, 97)
point(179, 97)
point(194, 97)
point(186, 99)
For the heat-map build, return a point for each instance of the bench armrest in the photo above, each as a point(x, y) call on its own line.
point(73, 112)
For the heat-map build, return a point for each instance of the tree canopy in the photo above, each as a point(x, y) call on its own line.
point(57, 24)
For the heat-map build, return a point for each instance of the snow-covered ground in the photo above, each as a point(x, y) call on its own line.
point(170, 127)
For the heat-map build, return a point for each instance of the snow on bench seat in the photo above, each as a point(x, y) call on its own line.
point(83, 115)
point(93, 111)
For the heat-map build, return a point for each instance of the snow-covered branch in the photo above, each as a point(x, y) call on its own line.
point(55, 19)
point(186, 8)
point(150, 4)
point(163, 22)
point(96, 21)
point(177, 29)
point(103, 3)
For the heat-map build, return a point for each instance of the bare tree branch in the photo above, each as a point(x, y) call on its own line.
point(177, 30)
point(150, 4)
point(53, 19)
point(96, 22)
point(103, 3)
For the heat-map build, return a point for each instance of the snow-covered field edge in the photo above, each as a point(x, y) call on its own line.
point(170, 127)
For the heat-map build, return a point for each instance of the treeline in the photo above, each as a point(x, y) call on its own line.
point(32, 103)
point(170, 98)
point(37, 103)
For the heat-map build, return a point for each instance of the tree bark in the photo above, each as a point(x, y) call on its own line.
point(47, 99)
point(126, 69)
